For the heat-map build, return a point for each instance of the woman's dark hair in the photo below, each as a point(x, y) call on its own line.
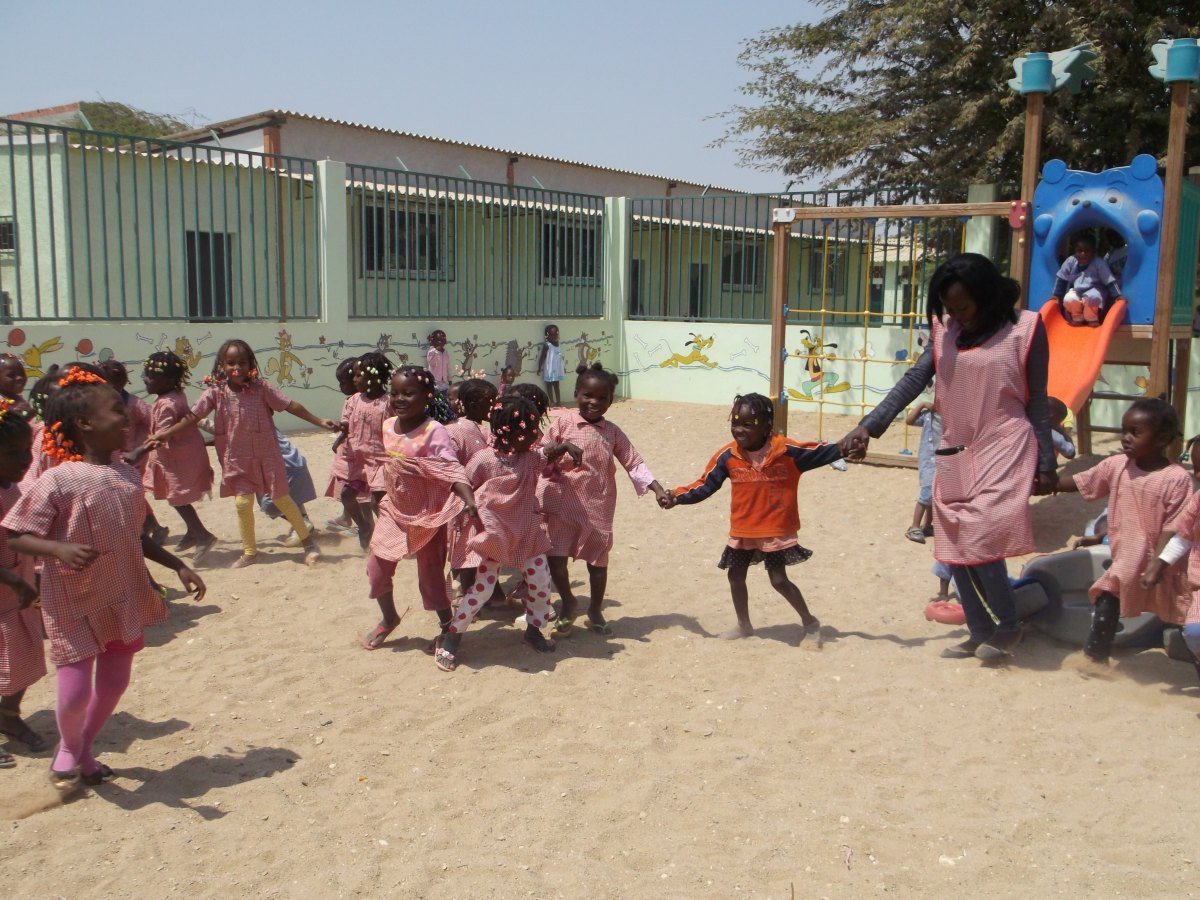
point(512, 415)
point(438, 408)
point(583, 372)
point(475, 390)
point(378, 368)
point(760, 407)
point(345, 369)
point(995, 295)
point(218, 373)
point(1162, 415)
point(533, 394)
point(168, 363)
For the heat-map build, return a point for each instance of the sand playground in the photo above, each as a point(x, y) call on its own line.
point(261, 752)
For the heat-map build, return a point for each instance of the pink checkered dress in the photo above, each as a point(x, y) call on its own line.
point(41, 462)
point(364, 417)
point(139, 426)
point(416, 506)
point(505, 486)
point(244, 432)
point(1187, 526)
point(981, 495)
point(339, 469)
point(22, 661)
point(579, 501)
point(112, 599)
point(179, 471)
point(1139, 506)
point(468, 438)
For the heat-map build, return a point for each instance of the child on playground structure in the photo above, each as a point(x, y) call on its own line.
point(437, 360)
point(551, 365)
point(764, 525)
point(1084, 283)
point(1063, 445)
point(1145, 490)
point(924, 415)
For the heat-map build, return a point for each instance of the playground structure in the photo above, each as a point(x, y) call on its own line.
point(1157, 220)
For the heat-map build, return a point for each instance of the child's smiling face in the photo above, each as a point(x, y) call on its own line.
point(748, 430)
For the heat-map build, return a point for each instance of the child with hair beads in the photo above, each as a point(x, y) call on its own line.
point(84, 517)
point(437, 360)
point(765, 471)
point(508, 377)
point(243, 405)
point(339, 471)
point(550, 365)
point(22, 661)
point(510, 530)
point(1084, 282)
point(578, 495)
point(13, 379)
point(117, 375)
point(363, 416)
point(178, 471)
point(1145, 490)
point(426, 489)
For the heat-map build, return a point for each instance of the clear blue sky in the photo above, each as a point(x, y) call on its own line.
point(633, 85)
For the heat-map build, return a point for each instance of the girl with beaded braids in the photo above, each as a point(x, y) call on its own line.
point(178, 471)
point(363, 416)
point(339, 470)
point(243, 407)
point(764, 470)
point(84, 517)
point(22, 661)
point(510, 530)
point(117, 375)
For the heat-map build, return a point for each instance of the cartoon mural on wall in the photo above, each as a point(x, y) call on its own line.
point(818, 380)
point(697, 355)
point(287, 365)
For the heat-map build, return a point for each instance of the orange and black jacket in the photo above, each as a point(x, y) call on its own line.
point(764, 500)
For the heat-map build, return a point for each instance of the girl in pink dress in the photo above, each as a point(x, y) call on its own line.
point(243, 406)
point(437, 359)
point(117, 375)
point(469, 435)
point(991, 362)
point(13, 379)
point(339, 470)
point(363, 416)
point(178, 471)
point(84, 517)
point(1145, 491)
point(510, 530)
point(426, 489)
point(578, 493)
point(21, 659)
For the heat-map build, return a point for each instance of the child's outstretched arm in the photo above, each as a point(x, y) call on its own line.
point(191, 582)
point(813, 455)
point(915, 412)
point(297, 409)
point(639, 473)
point(463, 491)
point(156, 440)
point(74, 556)
point(707, 484)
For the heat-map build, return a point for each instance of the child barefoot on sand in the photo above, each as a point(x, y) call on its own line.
point(765, 471)
point(243, 406)
point(578, 491)
point(22, 662)
point(84, 516)
point(1145, 490)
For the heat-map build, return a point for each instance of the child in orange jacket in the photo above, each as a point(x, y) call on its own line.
point(764, 514)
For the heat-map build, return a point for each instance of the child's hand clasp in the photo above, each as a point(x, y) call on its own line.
point(25, 592)
point(77, 557)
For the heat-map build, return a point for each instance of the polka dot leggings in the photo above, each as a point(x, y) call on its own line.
point(538, 610)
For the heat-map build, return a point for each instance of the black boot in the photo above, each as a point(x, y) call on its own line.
point(1106, 618)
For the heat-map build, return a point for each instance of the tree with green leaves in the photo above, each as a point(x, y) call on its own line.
point(894, 94)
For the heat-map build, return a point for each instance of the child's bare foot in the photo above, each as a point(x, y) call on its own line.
point(538, 641)
point(813, 629)
point(737, 631)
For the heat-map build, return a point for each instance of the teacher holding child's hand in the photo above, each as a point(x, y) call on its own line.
point(991, 362)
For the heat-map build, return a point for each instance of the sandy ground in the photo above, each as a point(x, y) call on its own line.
point(260, 751)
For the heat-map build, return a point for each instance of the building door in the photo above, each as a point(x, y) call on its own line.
point(209, 275)
point(697, 289)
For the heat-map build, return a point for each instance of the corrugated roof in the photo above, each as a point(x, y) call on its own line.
point(267, 115)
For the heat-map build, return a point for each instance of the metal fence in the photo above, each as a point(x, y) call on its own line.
point(96, 225)
point(708, 258)
point(439, 247)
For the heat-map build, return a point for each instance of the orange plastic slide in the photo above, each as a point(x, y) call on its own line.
point(1076, 353)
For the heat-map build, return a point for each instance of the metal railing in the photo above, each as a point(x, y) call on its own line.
point(438, 247)
point(98, 225)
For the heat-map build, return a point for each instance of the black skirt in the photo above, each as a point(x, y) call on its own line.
point(733, 558)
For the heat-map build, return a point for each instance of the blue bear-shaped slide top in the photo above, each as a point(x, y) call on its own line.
point(1129, 200)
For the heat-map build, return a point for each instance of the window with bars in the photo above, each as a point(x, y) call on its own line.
point(743, 264)
point(8, 234)
point(410, 243)
point(569, 251)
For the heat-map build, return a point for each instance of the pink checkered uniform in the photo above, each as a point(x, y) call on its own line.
point(414, 511)
point(339, 469)
point(41, 462)
point(109, 602)
point(468, 438)
point(1139, 506)
point(579, 501)
point(1187, 526)
point(22, 661)
point(139, 425)
point(364, 419)
point(178, 471)
point(244, 432)
point(511, 532)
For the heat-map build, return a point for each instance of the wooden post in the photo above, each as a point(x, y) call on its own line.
point(782, 234)
point(1179, 383)
point(1083, 427)
point(1160, 347)
point(1019, 257)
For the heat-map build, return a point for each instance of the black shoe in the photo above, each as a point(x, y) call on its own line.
point(998, 647)
point(965, 650)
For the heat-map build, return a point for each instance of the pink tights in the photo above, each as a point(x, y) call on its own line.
point(82, 709)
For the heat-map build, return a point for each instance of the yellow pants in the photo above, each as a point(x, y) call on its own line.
point(245, 513)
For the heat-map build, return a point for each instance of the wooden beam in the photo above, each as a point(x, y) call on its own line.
point(897, 460)
point(1022, 253)
point(781, 234)
point(915, 211)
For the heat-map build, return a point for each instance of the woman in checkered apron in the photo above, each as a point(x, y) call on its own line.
point(991, 362)
point(21, 659)
point(84, 516)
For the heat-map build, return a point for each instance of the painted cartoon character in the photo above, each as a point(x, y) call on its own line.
point(587, 353)
point(282, 366)
point(820, 381)
point(32, 358)
point(184, 350)
point(699, 345)
point(469, 347)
